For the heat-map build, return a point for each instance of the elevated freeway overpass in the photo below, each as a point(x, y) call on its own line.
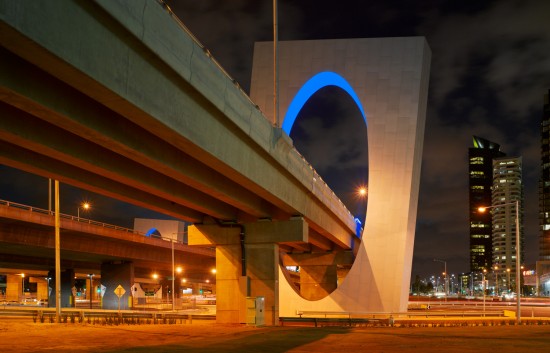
point(117, 97)
point(120, 99)
point(27, 242)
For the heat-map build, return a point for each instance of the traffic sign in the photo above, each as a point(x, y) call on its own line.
point(119, 291)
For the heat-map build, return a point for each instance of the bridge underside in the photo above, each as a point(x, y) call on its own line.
point(145, 123)
point(123, 101)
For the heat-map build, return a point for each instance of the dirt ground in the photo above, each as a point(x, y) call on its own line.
point(26, 336)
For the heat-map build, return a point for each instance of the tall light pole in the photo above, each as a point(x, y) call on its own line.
point(483, 278)
point(496, 280)
point(173, 276)
point(57, 221)
point(518, 254)
point(23, 286)
point(91, 289)
point(276, 64)
point(446, 288)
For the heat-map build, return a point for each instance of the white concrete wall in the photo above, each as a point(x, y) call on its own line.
point(390, 77)
point(168, 229)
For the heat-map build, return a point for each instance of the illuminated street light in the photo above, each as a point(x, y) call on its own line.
point(91, 289)
point(445, 285)
point(362, 191)
point(518, 253)
point(85, 206)
point(23, 285)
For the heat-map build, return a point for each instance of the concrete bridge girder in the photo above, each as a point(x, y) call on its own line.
point(187, 78)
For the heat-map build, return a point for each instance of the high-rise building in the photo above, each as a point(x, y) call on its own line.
point(544, 183)
point(507, 189)
point(543, 264)
point(481, 181)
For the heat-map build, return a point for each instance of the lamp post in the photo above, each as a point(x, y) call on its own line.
point(483, 278)
point(173, 275)
point(23, 286)
point(91, 290)
point(85, 206)
point(445, 286)
point(496, 280)
point(518, 253)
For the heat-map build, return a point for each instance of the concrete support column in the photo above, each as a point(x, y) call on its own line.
point(14, 287)
point(317, 281)
point(41, 287)
point(112, 276)
point(67, 284)
point(89, 289)
point(261, 261)
point(263, 271)
point(230, 298)
point(195, 287)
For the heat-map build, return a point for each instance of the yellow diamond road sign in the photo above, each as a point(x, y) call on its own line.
point(119, 291)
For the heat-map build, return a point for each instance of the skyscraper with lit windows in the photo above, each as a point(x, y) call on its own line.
point(507, 189)
point(544, 183)
point(480, 185)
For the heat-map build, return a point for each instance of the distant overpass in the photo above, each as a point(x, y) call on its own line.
point(27, 242)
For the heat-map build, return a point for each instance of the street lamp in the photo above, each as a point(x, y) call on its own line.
point(85, 206)
point(496, 280)
point(23, 286)
point(483, 278)
point(508, 275)
point(518, 253)
point(445, 286)
point(91, 290)
point(362, 191)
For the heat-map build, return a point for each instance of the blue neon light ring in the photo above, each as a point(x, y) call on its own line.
point(320, 80)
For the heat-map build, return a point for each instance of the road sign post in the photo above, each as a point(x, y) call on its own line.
point(119, 291)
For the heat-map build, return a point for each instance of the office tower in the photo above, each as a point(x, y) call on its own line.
point(507, 189)
point(544, 183)
point(481, 181)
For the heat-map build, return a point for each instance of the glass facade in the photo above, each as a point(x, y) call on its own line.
point(507, 189)
point(480, 185)
point(544, 183)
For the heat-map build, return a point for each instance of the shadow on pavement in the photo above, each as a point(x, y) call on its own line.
point(272, 340)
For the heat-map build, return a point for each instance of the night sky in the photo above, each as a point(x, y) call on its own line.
point(490, 69)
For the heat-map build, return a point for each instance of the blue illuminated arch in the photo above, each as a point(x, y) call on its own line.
point(153, 232)
point(322, 79)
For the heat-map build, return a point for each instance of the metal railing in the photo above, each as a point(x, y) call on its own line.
point(69, 217)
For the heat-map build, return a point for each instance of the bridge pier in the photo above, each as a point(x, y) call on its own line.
point(67, 283)
point(14, 287)
point(254, 273)
point(41, 287)
point(112, 276)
